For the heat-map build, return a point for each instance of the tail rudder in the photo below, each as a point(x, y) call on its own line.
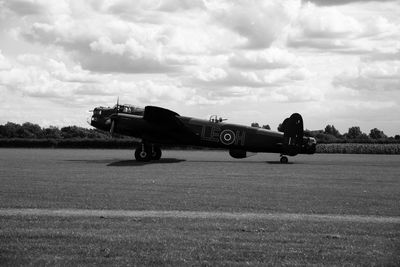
point(293, 133)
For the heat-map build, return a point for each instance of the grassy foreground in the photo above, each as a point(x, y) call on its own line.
point(364, 185)
point(175, 241)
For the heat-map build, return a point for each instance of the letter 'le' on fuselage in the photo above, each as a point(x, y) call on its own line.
point(156, 126)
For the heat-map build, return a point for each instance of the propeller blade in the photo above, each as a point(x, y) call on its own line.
point(117, 104)
point(112, 127)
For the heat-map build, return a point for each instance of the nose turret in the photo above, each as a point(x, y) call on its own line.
point(101, 118)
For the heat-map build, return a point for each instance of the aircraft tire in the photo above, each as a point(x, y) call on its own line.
point(284, 160)
point(143, 155)
point(156, 153)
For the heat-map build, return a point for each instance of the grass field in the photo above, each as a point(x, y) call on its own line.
point(359, 193)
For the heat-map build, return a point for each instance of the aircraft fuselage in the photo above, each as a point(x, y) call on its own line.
point(170, 128)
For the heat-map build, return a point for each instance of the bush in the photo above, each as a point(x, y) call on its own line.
point(67, 143)
point(359, 148)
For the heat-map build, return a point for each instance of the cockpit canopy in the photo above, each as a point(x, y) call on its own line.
point(101, 117)
point(215, 119)
point(129, 109)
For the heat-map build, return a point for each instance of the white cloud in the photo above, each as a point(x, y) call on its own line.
point(271, 58)
point(179, 5)
point(4, 63)
point(214, 74)
point(340, 2)
point(375, 76)
point(25, 7)
point(36, 76)
point(259, 22)
point(327, 23)
point(224, 78)
point(341, 29)
point(296, 94)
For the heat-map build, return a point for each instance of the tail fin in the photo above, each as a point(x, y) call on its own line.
point(293, 134)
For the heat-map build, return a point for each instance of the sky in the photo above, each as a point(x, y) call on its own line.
point(335, 62)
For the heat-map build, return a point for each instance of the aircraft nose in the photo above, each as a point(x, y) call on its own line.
point(92, 121)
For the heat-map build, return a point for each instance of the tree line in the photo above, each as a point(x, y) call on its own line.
point(33, 131)
point(330, 134)
point(354, 135)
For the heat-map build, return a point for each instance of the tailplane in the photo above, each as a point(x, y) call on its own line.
point(292, 134)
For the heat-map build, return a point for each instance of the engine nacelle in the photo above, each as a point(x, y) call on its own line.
point(309, 145)
point(238, 153)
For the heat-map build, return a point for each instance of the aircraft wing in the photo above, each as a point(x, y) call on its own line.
point(168, 121)
point(159, 115)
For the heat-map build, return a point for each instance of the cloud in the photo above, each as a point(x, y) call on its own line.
point(117, 46)
point(250, 69)
point(340, 31)
point(296, 94)
point(4, 63)
point(279, 85)
point(375, 76)
point(131, 56)
point(75, 74)
point(150, 10)
point(327, 23)
point(25, 7)
point(225, 78)
point(70, 85)
point(379, 56)
point(179, 5)
point(143, 46)
point(260, 23)
point(323, 28)
point(341, 2)
point(271, 58)
point(36, 76)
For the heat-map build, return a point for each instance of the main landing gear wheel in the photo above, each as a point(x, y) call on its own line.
point(284, 160)
point(156, 153)
point(143, 153)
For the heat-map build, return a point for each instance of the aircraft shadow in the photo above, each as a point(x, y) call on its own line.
point(122, 163)
point(243, 162)
point(279, 163)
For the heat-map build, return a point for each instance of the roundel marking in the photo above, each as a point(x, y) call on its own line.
point(227, 137)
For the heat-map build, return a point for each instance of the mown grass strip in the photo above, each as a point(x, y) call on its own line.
point(198, 215)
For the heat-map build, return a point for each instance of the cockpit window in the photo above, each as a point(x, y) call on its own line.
point(215, 119)
point(128, 109)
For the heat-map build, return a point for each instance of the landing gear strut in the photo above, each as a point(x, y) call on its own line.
point(284, 159)
point(147, 152)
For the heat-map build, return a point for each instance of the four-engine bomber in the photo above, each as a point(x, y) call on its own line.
point(156, 126)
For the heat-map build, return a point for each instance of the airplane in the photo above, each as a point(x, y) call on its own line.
point(155, 126)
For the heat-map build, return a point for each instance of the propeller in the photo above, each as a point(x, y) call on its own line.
point(113, 117)
point(112, 127)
